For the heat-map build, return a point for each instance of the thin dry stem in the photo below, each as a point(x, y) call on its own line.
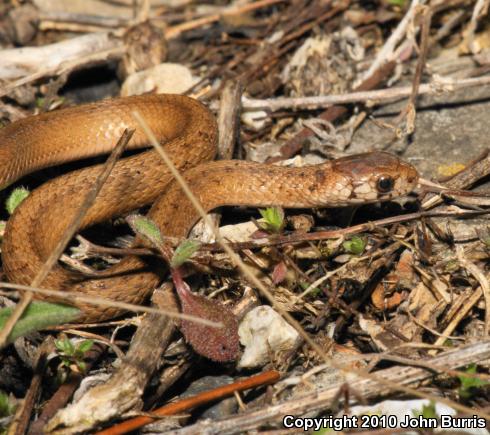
point(175, 31)
point(385, 55)
point(410, 110)
point(460, 315)
point(480, 10)
point(482, 279)
point(75, 297)
point(323, 101)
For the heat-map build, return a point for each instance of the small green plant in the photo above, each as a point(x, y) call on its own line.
point(486, 241)
point(325, 248)
point(217, 344)
point(323, 431)
point(183, 252)
point(448, 343)
point(3, 224)
point(41, 102)
point(399, 3)
point(484, 236)
point(72, 356)
point(16, 197)
point(6, 406)
point(355, 245)
point(451, 266)
point(470, 383)
point(315, 291)
point(274, 219)
point(427, 411)
point(145, 227)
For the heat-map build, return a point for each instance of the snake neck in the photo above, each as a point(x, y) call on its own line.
point(239, 183)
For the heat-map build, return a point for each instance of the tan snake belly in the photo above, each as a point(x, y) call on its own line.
point(189, 133)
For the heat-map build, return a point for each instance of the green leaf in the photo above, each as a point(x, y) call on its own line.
point(484, 236)
point(183, 252)
point(470, 383)
point(6, 406)
point(315, 291)
point(65, 346)
point(323, 431)
point(355, 245)
point(85, 346)
point(71, 355)
point(16, 197)
point(485, 239)
point(146, 228)
point(428, 411)
point(274, 219)
point(400, 3)
point(3, 224)
point(38, 315)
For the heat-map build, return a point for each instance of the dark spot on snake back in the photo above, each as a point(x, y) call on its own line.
point(320, 176)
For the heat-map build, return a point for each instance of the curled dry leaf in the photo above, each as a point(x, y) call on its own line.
point(279, 272)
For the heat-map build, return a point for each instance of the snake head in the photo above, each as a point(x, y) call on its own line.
point(372, 177)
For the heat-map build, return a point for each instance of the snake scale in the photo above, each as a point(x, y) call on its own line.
point(189, 133)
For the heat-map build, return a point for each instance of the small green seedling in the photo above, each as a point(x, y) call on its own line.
point(145, 227)
point(16, 197)
point(323, 431)
point(355, 245)
point(183, 252)
point(315, 291)
point(41, 102)
point(470, 383)
point(72, 356)
point(427, 411)
point(486, 241)
point(217, 344)
point(6, 406)
point(399, 3)
point(274, 219)
point(485, 237)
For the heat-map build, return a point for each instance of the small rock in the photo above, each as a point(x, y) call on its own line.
point(264, 332)
point(221, 409)
point(169, 78)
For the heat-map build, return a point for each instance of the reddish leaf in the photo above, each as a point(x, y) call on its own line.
point(217, 344)
point(259, 234)
point(279, 272)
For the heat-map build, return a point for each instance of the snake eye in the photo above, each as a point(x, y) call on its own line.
point(384, 184)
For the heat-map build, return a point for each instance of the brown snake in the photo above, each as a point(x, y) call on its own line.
point(189, 132)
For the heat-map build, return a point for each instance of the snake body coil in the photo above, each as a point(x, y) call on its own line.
point(189, 133)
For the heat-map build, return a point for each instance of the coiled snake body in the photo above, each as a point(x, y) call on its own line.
point(189, 133)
